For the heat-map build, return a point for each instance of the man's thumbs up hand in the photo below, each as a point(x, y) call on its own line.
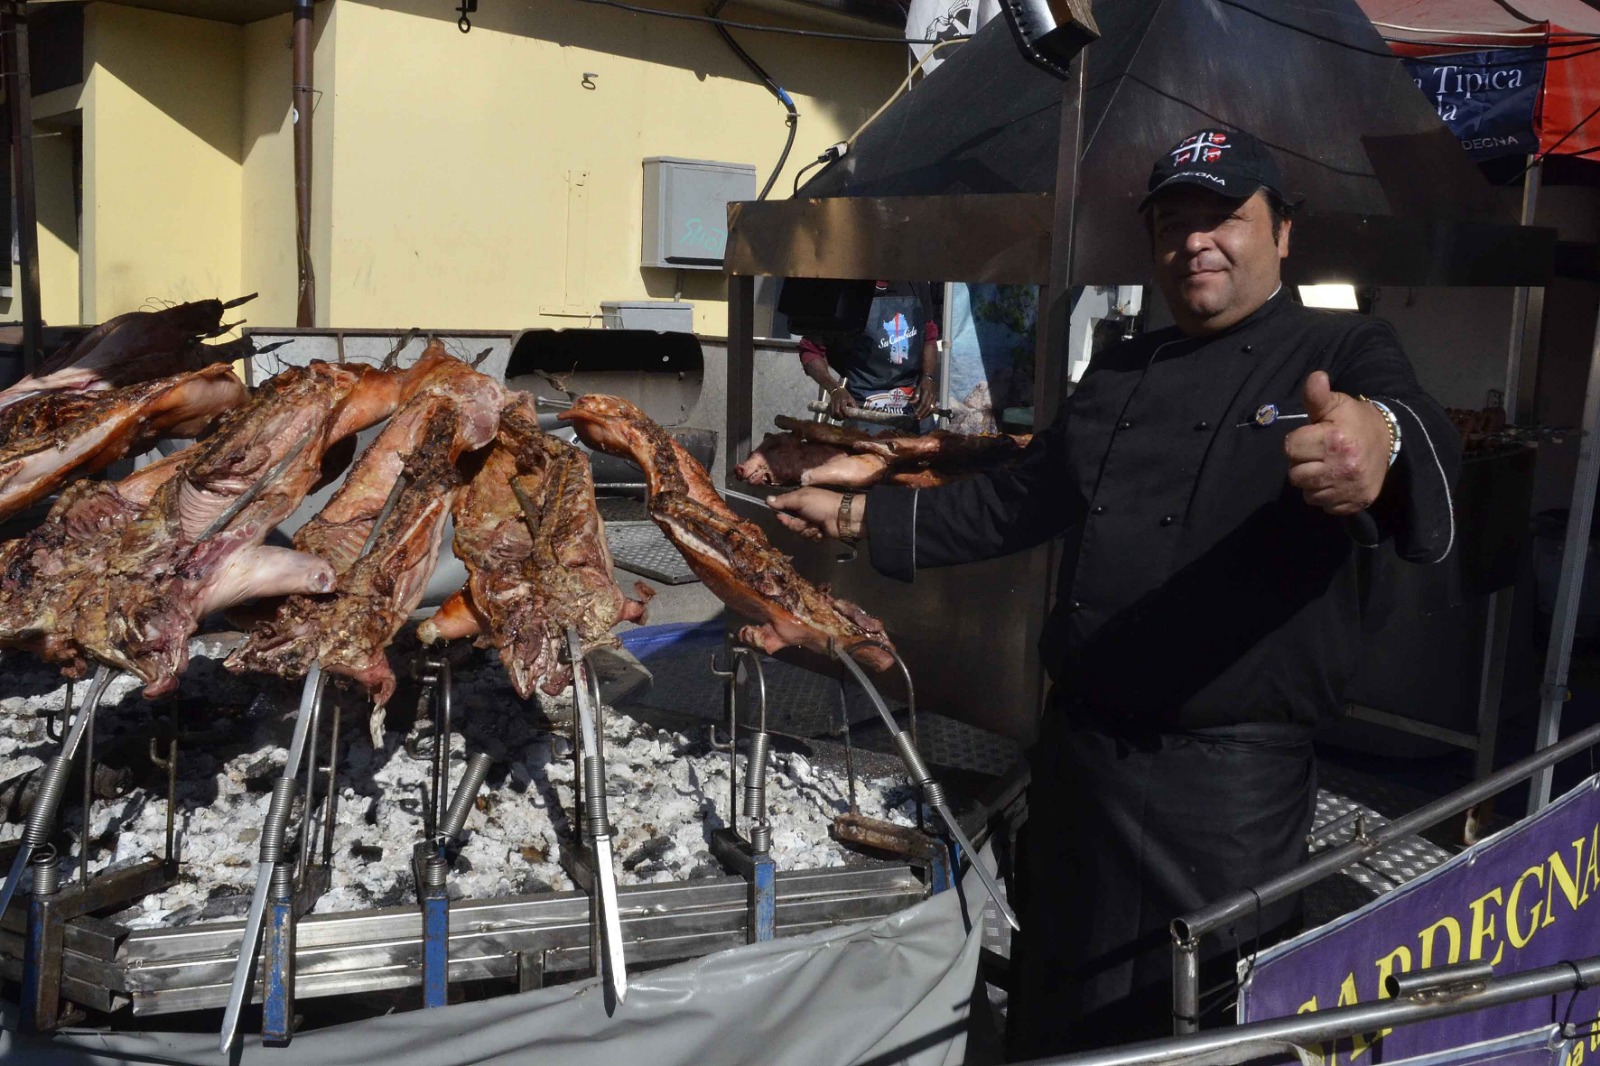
point(1339, 459)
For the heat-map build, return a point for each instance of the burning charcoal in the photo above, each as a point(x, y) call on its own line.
point(649, 851)
point(262, 774)
point(232, 906)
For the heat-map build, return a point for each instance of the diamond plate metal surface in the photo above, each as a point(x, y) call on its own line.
point(641, 548)
point(1338, 820)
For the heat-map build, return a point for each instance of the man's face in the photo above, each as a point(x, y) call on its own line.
point(1216, 258)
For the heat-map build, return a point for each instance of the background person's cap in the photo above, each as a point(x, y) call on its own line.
point(1228, 162)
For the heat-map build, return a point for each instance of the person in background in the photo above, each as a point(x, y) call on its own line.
point(891, 367)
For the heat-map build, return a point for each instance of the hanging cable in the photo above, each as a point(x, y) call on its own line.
point(793, 118)
point(819, 34)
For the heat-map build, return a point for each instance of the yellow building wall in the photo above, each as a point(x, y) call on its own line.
point(162, 112)
point(478, 183)
point(267, 244)
point(58, 226)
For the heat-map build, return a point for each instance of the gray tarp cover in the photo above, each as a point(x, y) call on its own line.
point(896, 990)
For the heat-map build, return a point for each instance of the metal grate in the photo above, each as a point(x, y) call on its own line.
point(641, 548)
point(1336, 823)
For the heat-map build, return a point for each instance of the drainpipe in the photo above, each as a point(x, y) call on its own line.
point(19, 94)
point(305, 313)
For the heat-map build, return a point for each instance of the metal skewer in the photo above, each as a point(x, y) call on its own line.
point(42, 819)
point(932, 791)
point(594, 803)
point(246, 498)
point(271, 851)
point(278, 814)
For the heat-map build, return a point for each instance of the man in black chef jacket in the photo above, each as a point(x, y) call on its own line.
point(1221, 487)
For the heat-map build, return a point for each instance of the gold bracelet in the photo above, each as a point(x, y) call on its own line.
point(846, 521)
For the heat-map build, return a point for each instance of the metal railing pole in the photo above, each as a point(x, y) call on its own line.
point(1188, 929)
point(1236, 1044)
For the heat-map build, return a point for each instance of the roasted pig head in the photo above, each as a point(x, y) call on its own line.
point(530, 533)
point(453, 411)
point(48, 440)
point(733, 557)
point(198, 546)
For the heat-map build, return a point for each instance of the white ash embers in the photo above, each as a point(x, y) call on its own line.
point(667, 793)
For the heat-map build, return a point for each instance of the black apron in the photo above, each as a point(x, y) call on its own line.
point(1124, 835)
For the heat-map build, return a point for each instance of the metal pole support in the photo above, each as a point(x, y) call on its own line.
point(41, 952)
point(277, 948)
point(435, 932)
point(1185, 986)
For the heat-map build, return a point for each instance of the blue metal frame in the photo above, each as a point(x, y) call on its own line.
point(435, 946)
point(277, 1006)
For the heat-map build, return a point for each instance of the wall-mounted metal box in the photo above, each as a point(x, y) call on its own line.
point(663, 316)
point(686, 210)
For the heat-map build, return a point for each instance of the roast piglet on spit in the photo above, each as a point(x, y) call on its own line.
point(530, 533)
point(44, 572)
point(198, 545)
point(137, 346)
point(733, 557)
point(453, 411)
point(49, 440)
point(817, 453)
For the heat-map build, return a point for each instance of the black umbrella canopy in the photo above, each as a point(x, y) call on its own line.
point(1311, 78)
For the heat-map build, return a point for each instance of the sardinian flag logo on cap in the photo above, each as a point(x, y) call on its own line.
point(1229, 162)
point(1204, 147)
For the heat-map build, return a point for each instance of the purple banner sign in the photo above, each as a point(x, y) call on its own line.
point(1525, 898)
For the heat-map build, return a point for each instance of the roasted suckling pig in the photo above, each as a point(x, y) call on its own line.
point(817, 453)
point(47, 440)
point(44, 572)
point(197, 547)
point(529, 531)
point(453, 411)
point(733, 557)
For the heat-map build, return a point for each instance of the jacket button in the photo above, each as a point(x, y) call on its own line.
point(1124, 424)
point(1098, 508)
point(1077, 605)
point(1249, 348)
point(1167, 520)
point(1202, 425)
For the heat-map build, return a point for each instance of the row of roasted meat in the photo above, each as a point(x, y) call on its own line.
point(123, 572)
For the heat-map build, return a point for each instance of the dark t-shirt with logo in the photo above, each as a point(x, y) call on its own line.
point(881, 365)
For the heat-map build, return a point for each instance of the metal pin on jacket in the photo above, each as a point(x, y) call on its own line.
point(1267, 414)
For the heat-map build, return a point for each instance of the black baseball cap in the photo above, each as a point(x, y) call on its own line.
point(1229, 162)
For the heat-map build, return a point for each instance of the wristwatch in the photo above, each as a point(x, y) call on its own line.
point(847, 519)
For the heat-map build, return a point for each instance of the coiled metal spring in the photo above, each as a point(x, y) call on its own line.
point(283, 881)
point(42, 818)
point(435, 871)
point(755, 777)
point(46, 871)
point(761, 837)
point(594, 797)
point(277, 824)
point(932, 791)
